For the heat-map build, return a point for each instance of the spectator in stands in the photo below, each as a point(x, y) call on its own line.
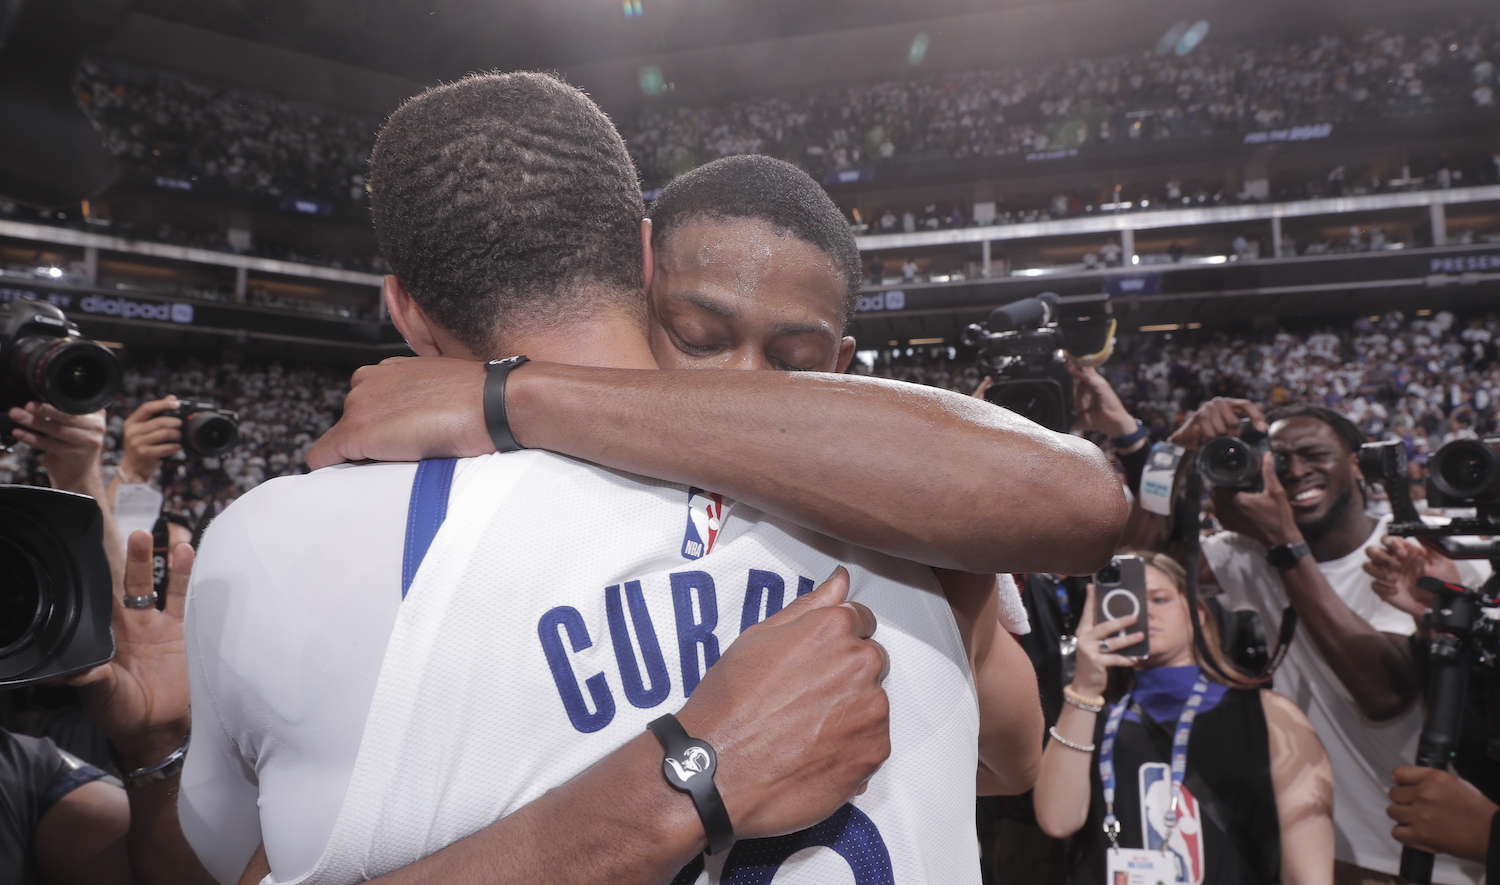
point(1111, 253)
point(909, 270)
point(1259, 786)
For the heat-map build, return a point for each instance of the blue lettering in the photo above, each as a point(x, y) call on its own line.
point(692, 631)
point(656, 666)
point(805, 586)
point(567, 619)
point(763, 585)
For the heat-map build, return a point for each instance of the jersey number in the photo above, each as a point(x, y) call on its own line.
point(848, 831)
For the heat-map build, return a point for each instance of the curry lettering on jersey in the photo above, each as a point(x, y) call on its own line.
point(640, 661)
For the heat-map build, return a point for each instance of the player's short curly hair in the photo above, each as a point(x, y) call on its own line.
point(1345, 429)
point(504, 199)
point(755, 186)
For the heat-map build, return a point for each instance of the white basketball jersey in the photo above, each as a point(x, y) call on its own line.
point(563, 606)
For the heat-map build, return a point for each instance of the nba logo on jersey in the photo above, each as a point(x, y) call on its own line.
point(705, 519)
point(1186, 845)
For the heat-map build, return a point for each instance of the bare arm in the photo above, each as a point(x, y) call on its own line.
point(81, 839)
point(1010, 710)
point(979, 488)
point(1063, 792)
point(1303, 780)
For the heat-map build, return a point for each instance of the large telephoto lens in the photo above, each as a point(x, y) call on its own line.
point(1229, 462)
point(75, 375)
point(210, 434)
point(1040, 400)
point(22, 598)
point(1467, 469)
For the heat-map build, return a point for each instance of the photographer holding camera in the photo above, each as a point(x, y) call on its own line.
point(1298, 541)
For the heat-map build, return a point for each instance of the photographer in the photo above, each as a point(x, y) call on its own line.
point(149, 438)
point(1300, 542)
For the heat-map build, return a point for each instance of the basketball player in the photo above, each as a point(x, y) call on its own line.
point(255, 564)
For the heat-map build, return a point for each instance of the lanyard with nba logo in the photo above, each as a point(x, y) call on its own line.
point(1179, 760)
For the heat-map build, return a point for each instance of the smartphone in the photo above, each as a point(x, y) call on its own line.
point(1120, 590)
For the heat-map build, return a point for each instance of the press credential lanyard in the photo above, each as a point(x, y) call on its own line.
point(1179, 761)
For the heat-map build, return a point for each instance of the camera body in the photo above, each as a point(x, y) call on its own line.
point(1024, 348)
point(1234, 462)
point(207, 430)
point(55, 587)
point(44, 358)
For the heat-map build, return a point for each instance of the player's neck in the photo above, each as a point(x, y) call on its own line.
point(610, 339)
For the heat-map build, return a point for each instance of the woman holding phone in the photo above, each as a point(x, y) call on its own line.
point(1168, 774)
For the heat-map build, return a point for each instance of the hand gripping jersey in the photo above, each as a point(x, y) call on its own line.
point(562, 606)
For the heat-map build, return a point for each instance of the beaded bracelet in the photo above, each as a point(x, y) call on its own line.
point(1082, 748)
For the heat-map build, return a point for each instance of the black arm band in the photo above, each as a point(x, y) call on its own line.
point(496, 371)
point(689, 766)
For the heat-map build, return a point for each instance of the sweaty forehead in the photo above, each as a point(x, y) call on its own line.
point(749, 258)
point(1302, 431)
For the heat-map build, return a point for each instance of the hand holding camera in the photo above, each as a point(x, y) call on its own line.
point(1265, 515)
point(159, 429)
point(70, 444)
point(1220, 416)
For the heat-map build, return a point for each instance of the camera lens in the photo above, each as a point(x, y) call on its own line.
point(210, 434)
point(1229, 462)
point(1467, 469)
point(1042, 401)
point(76, 376)
point(1110, 574)
point(22, 599)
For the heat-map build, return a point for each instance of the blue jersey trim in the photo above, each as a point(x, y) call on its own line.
point(425, 514)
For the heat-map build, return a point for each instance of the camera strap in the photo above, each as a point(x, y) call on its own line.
point(1186, 528)
point(425, 514)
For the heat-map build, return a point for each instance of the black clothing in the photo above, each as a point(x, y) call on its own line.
point(34, 775)
point(1229, 772)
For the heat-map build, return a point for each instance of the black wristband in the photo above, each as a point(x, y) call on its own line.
point(496, 371)
point(1131, 438)
point(689, 767)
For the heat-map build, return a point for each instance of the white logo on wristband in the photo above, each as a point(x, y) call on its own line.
point(694, 762)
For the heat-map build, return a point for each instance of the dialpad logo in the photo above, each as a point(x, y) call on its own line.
point(126, 309)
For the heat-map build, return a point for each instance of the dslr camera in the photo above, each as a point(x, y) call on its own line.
point(1024, 347)
point(44, 358)
point(1234, 462)
point(207, 430)
point(55, 588)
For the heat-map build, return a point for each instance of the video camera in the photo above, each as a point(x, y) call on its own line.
point(55, 587)
point(207, 430)
point(1463, 473)
point(44, 358)
point(1024, 347)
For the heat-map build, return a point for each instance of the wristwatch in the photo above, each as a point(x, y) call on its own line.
point(1284, 556)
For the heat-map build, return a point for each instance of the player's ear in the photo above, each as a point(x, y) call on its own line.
point(648, 258)
point(846, 354)
point(410, 321)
